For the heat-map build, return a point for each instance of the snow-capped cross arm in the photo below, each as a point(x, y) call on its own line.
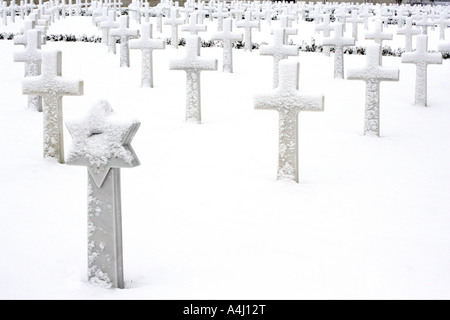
point(288, 101)
point(192, 27)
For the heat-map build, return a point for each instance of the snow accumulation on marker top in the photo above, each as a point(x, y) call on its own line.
point(102, 136)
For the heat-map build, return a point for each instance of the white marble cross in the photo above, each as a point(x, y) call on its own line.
point(22, 39)
point(193, 64)
point(338, 42)
point(421, 58)
point(201, 12)
point(146, 44)
point(51, 86)
point(227, 36)
point(279, 50)
point(365, 16)
point(288, 30)
point(373, 73)
point(248, 25)
point(124, 33)
point(32, 57)
point(377, 34)
point(220, 14)
point(101, 142)
point(408, 31)
point(105, 27)
point(288, 101)
point(442, 22)
point(146, 11)
point(174, 22)
point(192, 27)
point(424, 23)
point(355, 20)
point(325, 27)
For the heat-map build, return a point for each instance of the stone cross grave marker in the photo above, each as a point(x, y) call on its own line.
point(174, 22)
point(442, 22)
point(288, 30)
point(146, 44)
point(51, 86)
point(325, 27)
point(193, 64)
point(101, 142)
point(355, 20)
point(288, 101)
point(279, 50)
point(105, 27)
point(220, 14)
point(424, 23)
point(247, 24)
point(22, 39)
point(421, 58)
point(192, 27)
point(32, 57)
point(124, 33)
point(338, 42)
point(373, 73)
point(227, 36)
point(408, 31)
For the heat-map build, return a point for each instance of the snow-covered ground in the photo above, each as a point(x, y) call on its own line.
point(203, 216)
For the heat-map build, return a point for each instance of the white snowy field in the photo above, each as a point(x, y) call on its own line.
point(204, 216)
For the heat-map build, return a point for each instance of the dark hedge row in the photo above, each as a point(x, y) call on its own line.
point(387, 51)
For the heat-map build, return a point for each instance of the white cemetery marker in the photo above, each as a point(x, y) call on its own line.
point(326, 28)
point(443, 23)
point(288, 101)
point(174, 22)
point(105, 27)
point(377, 34)
point(192, 27)
point(227, 37)
point(373, 73)
point(146, 12)
point(51, 86)
point(22, 39)
point(354, 20)
point(279, 50)
point(220, 14)
point(101, 142)
point(421, 58)
point(124, 32)
point(408, 31)
point(32, 57)
point(365, 16)
point(248, 25)
point(338, 42)
point(193, 64)
point(146, 44)
point(424, 23)
point(288, 31)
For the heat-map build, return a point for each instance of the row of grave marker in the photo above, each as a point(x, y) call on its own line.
point(89, 136)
